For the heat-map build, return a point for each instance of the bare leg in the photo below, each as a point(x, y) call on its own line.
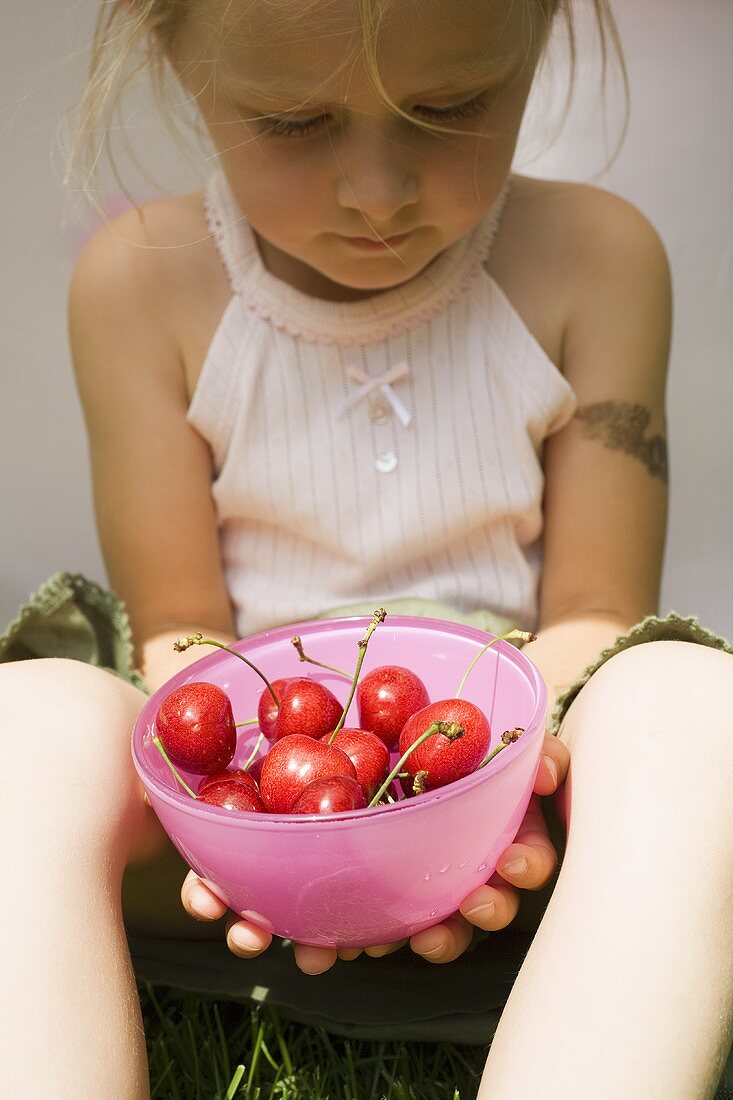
point(72, 817)
point(627, 990)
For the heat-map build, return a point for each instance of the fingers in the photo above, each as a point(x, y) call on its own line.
point(246, 940)
point(243, 939)
point(348, 954)
point(314, 960)
point(384, 949)
point(553, 767)
point(198, 900)
point(491, 907)
point(531, 860)
point(443, 942)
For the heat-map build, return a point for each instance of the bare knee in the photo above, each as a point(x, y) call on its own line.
point(69, 726)
point(656, 722)
point(670, 686)
point(66, 716)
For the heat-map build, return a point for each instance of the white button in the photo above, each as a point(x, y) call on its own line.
point(386, 462)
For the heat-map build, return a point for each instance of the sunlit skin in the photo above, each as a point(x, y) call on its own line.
point(313, 154)
point(360, 170)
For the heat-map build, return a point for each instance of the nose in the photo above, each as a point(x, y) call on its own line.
point(378, 177)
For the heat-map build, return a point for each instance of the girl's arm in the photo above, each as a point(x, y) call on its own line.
point(605, 503)
point(151, 471)
point(606, 473)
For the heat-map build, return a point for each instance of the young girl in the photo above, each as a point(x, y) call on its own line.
point(367, 364)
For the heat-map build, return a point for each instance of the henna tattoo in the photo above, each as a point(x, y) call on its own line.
point(621, 426)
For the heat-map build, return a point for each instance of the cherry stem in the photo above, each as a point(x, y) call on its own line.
point(378, 617)
point(182, 644)
point(159, 746)
point(249, 722)
point(253, 754)
point(508, 737)
point(451, 730)
point(298, 643)
point(515, 633)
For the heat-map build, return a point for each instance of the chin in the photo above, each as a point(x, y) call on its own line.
point(367, 276)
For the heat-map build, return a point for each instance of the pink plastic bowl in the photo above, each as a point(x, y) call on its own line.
point(370, 876)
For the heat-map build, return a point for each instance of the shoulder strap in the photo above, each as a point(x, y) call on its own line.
point(230, 229)
point(492, 222)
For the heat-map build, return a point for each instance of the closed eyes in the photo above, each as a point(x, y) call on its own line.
point(291, 127)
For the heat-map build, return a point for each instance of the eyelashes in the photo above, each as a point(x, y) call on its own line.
point(289, 127)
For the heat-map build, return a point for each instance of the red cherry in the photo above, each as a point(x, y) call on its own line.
point(442, 759)
point(229, 775)
point(255, 769)
point(231, 795)
point(306, 707)
point(196, 727)
point(386, 698)
point(369, 755)
point(267, 708)
point(330, 796)
point(294, 762)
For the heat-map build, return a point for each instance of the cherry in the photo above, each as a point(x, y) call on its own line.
point(292, 763)
point(231, 795)
point(255, 769)
point(439, 760)
point(332, 795)
point(386, 698)
point(306, 707)
point(229, 775)
point(196, 727)
point(367, 752)
point(267, 709)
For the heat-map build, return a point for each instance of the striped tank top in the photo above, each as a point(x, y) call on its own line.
point(376, 450)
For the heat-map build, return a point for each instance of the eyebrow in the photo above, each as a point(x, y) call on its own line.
point(458, 71)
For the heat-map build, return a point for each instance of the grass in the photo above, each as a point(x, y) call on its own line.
point(211, 1050)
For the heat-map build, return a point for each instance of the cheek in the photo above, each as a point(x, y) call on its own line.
point(470, 177)
point(269, 181)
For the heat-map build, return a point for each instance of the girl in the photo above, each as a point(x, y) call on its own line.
point(369, 364)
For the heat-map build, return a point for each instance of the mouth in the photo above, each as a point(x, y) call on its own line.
point(371, 244)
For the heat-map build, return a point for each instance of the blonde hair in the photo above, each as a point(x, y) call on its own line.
point(134, 36)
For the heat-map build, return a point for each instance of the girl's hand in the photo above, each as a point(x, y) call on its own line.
point(490, 907)
point(247, 940)
point(527, 863)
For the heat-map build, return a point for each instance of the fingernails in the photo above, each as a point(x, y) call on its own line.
point(244, 939)
point(515, 867)
point(481, 912)
point(552, 768)
point(436, 953)
point(202, 902)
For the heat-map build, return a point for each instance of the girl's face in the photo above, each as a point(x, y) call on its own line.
point(346, 196)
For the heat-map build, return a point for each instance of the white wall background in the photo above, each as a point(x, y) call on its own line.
point(676, 165)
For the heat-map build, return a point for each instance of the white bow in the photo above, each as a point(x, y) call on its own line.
point(368, 384)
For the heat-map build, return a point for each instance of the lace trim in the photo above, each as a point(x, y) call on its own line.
point(64, 588)
point(241, 260)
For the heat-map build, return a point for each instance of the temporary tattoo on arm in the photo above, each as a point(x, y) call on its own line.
point(621, 426)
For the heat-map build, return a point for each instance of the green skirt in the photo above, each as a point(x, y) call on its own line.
point(398, 997)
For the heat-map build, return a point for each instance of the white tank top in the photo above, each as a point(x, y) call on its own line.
point(333, 488)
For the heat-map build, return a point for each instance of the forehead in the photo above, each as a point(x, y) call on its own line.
point(296, 47)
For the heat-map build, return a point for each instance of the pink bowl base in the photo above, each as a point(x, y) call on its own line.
point(372, 876)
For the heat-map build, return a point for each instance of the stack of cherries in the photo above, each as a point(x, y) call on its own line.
point(316, 764)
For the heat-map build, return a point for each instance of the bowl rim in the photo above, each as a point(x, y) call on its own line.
point(182, 801)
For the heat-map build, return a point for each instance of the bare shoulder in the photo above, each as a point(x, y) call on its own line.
point(584, 219)
point(583, 232)
point(149, 273)
point(566, 250)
